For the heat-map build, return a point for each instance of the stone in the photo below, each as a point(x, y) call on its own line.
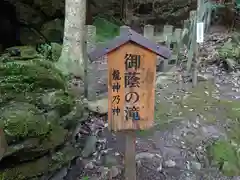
point(58, 100)
point(202, 77)
point(89, 165)
point(74, 117)
point(90, 146)
point(170, 163)
point(33, 148)
point(26, 170)
point(110, 160)
point(162, 79)
point(196, 165)
point(34, 99)
point(230, 63)
point(99, 106)
point(171, 152)
point(56, 50)
point(26, 52)
point(53, 30)
point(145, 155)
point(114, 172)
point(46, 164)
point(60, 174)
point(21, 120)
point(27, 76)
point(104, 172)
point(27, 36)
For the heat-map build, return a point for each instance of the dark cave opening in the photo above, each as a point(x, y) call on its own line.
point(9, 31)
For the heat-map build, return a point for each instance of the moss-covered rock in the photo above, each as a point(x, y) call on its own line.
point(24, 76)
point(37, 114)
point(33, 148)
point(21, 120)
point(75, 116)
point(55, 51)
point(51, 52)
point(41, 166)
point(20, 53)
point(58, 100)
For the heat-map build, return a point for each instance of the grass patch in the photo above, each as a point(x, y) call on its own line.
point(199, 101)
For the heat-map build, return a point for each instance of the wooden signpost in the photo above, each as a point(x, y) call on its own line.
point(131, 86)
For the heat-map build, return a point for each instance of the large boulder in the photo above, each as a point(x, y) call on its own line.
point(30, 37)
point(53, 30)
point(59, 101)
point(22, 120)
point(38, 115)
point(31, 170)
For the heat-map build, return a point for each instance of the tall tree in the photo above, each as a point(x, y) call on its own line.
point(72, 56)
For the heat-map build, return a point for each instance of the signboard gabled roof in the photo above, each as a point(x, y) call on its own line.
point(129, 35)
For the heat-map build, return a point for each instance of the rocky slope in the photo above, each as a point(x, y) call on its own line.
point(38, 115)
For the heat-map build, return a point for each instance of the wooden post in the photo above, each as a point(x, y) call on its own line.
point(130, 154)
point(90, 77)
point(167, 33)
point(148, 32)
point(197, 40)
point(185, 33)
point(192, 41)
point(128, 12)
point(195, 67)
point(209, 16)
point(130, 135)
point(178, 44)
point(195, 57)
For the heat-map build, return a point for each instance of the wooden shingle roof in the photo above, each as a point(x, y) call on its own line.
point(128, 35)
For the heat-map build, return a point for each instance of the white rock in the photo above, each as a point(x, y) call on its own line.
point(170, 163)
point(196, 165)
point(99, 106)
point(114, 171)
point(144, 155)
point(89, 165)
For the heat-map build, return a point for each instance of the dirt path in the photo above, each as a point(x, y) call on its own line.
point(175, 147)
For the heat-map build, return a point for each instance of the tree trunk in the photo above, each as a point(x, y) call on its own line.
point(72, 56)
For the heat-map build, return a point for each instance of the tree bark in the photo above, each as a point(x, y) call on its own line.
point(72, 56)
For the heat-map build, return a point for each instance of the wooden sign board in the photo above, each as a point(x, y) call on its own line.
point(131, 79)
point(131, 91)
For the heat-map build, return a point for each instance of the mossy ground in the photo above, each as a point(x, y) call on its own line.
point(201, 101)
